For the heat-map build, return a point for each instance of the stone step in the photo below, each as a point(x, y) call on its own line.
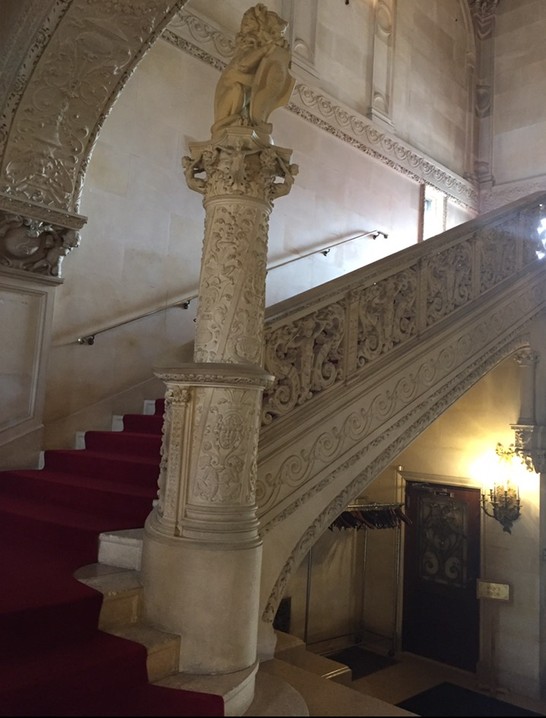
point(121, 549)
point(292, 650)
point(121, 589)
point(163, 649)
point(121, 615)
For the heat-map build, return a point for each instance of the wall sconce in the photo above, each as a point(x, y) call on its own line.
point(502, 501)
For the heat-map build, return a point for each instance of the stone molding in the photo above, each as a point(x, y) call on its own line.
point(501, 194)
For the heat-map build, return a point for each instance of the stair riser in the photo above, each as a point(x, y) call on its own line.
point(122, 443)
point(75, 497)
point(140, 423)
point(145, 473)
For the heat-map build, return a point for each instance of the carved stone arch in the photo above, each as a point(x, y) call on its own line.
point(353, 478)
point(78, 63)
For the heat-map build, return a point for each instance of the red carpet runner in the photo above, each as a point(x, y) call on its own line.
point(53, 658)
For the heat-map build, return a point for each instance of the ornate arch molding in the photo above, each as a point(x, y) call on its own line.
point(391, 440)
point(78, 64)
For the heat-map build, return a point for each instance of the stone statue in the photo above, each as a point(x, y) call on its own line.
point(257, 79)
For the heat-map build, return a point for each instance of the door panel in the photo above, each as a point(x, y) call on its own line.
point(441, 566)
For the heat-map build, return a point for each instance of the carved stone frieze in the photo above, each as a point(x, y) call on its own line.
point(345, 427)
point(53, 117)
point(387, 315)
point(348, 126)
point(33, 245)
point(305, 357)
point(225, 447)
point(449, 280)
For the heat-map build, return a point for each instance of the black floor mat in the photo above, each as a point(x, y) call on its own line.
point(361, 662)
point(447, 699)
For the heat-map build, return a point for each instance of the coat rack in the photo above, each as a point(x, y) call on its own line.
point(366, 515)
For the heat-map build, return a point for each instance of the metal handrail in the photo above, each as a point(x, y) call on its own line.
point(89, 339)
point(325, 250)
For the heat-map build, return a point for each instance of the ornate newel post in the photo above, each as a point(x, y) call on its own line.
point(201, 559)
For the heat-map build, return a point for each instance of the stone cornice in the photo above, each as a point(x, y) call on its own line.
point(198, 37)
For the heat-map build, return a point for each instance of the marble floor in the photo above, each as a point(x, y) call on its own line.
point(413, 674)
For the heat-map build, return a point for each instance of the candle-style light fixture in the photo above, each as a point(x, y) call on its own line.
point(502, 501)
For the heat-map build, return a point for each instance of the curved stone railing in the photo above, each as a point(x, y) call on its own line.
point(367, 362)
point(331, 334)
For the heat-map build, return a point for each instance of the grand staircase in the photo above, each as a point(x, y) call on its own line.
point(362, 366)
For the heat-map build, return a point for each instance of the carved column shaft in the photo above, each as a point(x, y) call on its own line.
point(230, 316)
point(527, 360)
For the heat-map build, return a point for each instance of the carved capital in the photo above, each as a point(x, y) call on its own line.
point(241, 163)
point(34, 245)
point(483, 13)
point(526, 357)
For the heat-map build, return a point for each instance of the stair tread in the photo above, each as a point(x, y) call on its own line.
point(152, 638)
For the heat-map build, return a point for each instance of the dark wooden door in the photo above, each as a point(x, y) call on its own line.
point(441, 565)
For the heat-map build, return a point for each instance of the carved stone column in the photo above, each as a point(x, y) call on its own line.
point(383, 58)
point(483, 12)
point(201, 563)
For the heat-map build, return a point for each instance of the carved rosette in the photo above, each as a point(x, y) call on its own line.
point(34, 245)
